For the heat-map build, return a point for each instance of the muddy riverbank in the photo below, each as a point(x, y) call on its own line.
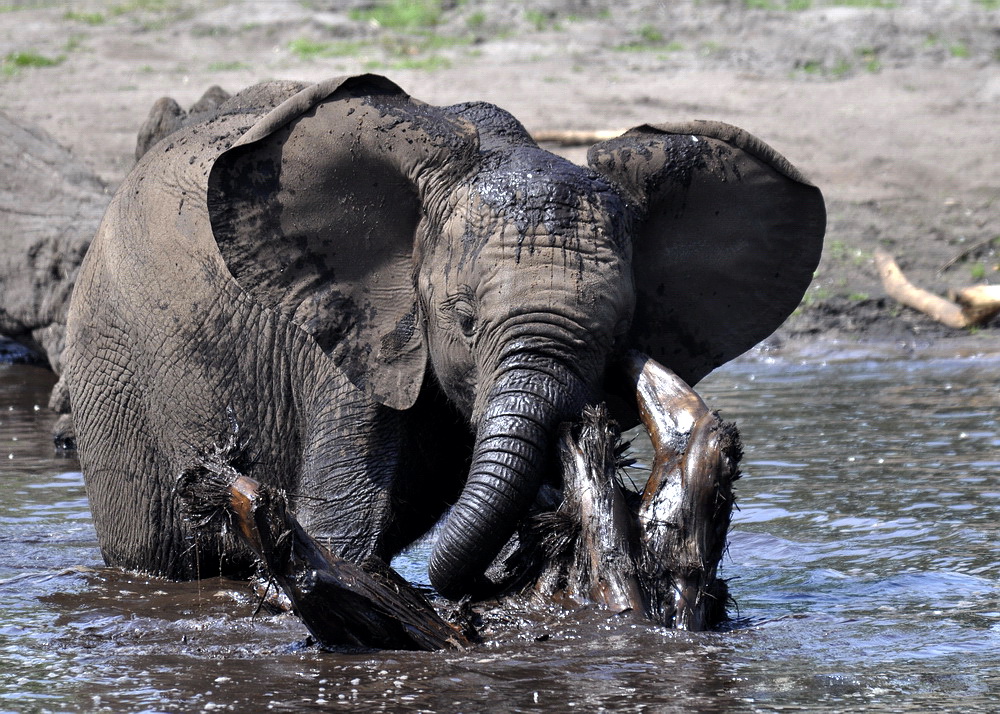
point(890, 107)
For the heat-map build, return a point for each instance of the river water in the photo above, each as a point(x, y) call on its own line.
point(864, 560)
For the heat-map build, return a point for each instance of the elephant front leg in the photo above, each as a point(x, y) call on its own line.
point(375, 479)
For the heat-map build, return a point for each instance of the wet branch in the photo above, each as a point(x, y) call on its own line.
point(340, 602)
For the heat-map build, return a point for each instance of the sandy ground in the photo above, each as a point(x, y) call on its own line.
point(890, 106)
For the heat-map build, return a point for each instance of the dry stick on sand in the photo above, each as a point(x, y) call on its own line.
point(572, 137)
point(973, 305)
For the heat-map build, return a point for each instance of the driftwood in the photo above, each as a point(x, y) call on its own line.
point(570, 137)
point(655, 554)
point(979, 303)
point(687, 503)
point(593, 542)
point(966, 308)
point(341, 603)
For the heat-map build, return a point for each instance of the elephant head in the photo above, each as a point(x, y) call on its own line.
point(441, 247)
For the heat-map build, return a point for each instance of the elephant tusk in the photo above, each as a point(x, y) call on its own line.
point(687, 502)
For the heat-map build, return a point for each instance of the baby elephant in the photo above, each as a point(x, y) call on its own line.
point(397, 305)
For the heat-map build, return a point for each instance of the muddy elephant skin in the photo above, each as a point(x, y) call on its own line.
point(397, 305)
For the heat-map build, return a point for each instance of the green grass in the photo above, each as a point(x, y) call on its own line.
point(789, 5)
point(978, 271)
point(136, 5)
point(842, 68)
point(959, 49)
point(89, 18)
point(402, 14)
point(16, 61)
point(989, 4)
point(870, 57)
point(875, 4)
point(227, 66)
point(476, 20)
point(307, 49)
point(541, 20)
point(650, 35)
point(427, 64)
point(648, 38)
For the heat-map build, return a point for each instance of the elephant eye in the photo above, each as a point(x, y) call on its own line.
point(461, 309)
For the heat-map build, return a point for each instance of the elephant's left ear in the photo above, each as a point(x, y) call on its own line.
point(727, 244)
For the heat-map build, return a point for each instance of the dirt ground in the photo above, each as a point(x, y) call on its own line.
point(889, 106)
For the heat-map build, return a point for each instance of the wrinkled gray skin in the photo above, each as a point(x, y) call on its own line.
point(398, 304)
point(166, 117)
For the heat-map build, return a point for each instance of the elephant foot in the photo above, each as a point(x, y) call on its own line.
point(342, 604)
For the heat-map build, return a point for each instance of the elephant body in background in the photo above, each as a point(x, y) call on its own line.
point(397, 304)
point(50, 206)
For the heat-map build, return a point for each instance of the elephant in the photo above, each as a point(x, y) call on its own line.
point(166, 117)
point(395, 305)
point(51, 205)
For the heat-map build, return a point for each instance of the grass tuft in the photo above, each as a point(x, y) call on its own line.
point(402, 14)
point(873, 4)
point(307, 49)
point(227, 66)
point(16, 61)
point(89, 18)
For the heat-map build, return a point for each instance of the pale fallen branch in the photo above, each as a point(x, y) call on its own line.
point(980, 303)
point(571, 137)
point(972, 306)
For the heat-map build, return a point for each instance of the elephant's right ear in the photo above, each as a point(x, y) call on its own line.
point(729, 237)
point(315, 211)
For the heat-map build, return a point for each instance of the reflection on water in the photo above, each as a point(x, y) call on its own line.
point(864, 561)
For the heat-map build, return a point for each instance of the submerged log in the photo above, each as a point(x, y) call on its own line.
point(340, 602)
point(657, 554)
point(593, 542)
point(687, 504)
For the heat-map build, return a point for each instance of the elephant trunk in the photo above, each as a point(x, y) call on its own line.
point(514, 442)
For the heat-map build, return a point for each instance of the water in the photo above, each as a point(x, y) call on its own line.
point(864, 560)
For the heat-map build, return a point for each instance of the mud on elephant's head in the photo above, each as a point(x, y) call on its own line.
point(424, 243)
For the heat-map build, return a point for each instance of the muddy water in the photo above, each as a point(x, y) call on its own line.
point(864, 560)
